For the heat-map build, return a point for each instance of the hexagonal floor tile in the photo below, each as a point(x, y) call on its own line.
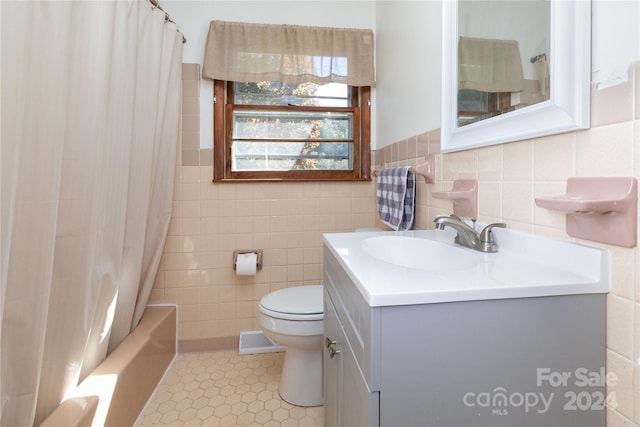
point(224, 388)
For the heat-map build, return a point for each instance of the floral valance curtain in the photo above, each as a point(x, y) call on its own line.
point(489, 65)
point(290, 53)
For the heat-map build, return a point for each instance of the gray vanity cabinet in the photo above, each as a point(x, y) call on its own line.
point(521, 361)
point(348, 399)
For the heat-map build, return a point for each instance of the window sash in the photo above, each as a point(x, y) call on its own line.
point(262, 156)
point(279, 93)
point(223, 136)
point(233, 111)
point(271, 120)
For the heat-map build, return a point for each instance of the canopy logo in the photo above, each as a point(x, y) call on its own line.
point(499, 400)
point(578, 390)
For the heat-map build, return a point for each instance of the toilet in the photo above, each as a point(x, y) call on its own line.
point(293, 317)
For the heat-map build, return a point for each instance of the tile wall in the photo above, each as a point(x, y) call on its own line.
point(210, 221)
point(287, 220)
point(510, 176)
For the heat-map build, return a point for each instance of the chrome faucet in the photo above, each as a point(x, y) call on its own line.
point(467, 236)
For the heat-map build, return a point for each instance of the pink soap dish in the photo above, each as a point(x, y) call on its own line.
point(464, 195)
point(599, 209)
point(572, 204)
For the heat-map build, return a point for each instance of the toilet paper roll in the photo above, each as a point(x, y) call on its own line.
point(246, 264)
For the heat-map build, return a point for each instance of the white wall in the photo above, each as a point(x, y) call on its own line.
point(408, 90)
point(525, 21)
point(193, 18)
point(408, 50)
point(615, 38)
point(408, 63)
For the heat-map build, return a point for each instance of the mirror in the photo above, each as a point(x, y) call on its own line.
point(505, 79)
point(503, 51)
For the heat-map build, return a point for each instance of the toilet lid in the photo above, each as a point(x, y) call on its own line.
point(298, 300)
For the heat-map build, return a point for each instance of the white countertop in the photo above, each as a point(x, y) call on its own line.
point(525, 266)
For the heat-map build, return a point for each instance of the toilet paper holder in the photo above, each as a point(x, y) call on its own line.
point(258, 252)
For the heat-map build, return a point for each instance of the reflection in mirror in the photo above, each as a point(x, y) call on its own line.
point(537, 83)
point(503, 53)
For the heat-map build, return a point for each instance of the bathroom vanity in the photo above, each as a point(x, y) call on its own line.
point(420, 332)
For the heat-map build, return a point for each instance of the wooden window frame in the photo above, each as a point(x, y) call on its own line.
point(497, 103)
point(223, 134)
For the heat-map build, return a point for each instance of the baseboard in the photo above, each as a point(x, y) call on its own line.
point(208, 344)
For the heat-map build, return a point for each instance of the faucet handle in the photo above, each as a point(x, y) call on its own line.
point(486, 236)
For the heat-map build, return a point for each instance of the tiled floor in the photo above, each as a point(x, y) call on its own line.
point(224, 389)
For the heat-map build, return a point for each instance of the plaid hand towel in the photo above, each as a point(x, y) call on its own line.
point(395, 197)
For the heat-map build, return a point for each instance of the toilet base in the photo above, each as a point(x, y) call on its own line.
point(301, 380)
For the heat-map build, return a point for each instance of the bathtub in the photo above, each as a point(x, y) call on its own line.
point(115, 393)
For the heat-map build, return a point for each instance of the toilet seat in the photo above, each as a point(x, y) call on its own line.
point(302, 303)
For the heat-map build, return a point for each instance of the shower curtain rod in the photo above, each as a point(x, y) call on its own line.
point(167, 18)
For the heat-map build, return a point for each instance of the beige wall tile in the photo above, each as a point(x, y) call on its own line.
point(623, 388)
point(636, 393)
point(637, 91)
point(434, 141)
point(190, 88)
point(620, 314)
point(517, 201)
point(623, 276)
point(554, 157)
point(614, 419)
point(636, 139)
point(190, 71)
point(189, 154)
point(191, 191)
point(517, 161)
point(546, 217)
point(190, 140)
point(449, 166)
point(190, 174)
point(206, 159)
point(605, 151)
point(190, 157)
point(287, 220)
point(467, 164)
point(490, 163)
point(490, 199)
point(636, 340)
point(190, 105)
point(403, 150)
point(422, 144)
point(412, 147)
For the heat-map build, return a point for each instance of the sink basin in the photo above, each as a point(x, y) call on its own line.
point(422, 254)
point(393, 268)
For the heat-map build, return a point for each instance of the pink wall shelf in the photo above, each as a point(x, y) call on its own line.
point(464, 196)
point(599, 209)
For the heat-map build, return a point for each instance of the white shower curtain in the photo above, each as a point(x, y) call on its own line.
point(90, 125)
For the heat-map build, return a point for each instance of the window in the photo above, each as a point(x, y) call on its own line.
point(490, 78)
point(305, 113)
point(271, 130)
point(474, 105)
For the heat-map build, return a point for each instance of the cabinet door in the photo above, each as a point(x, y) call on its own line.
point(347, 399)
point(332, 366)
point(358, 405)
